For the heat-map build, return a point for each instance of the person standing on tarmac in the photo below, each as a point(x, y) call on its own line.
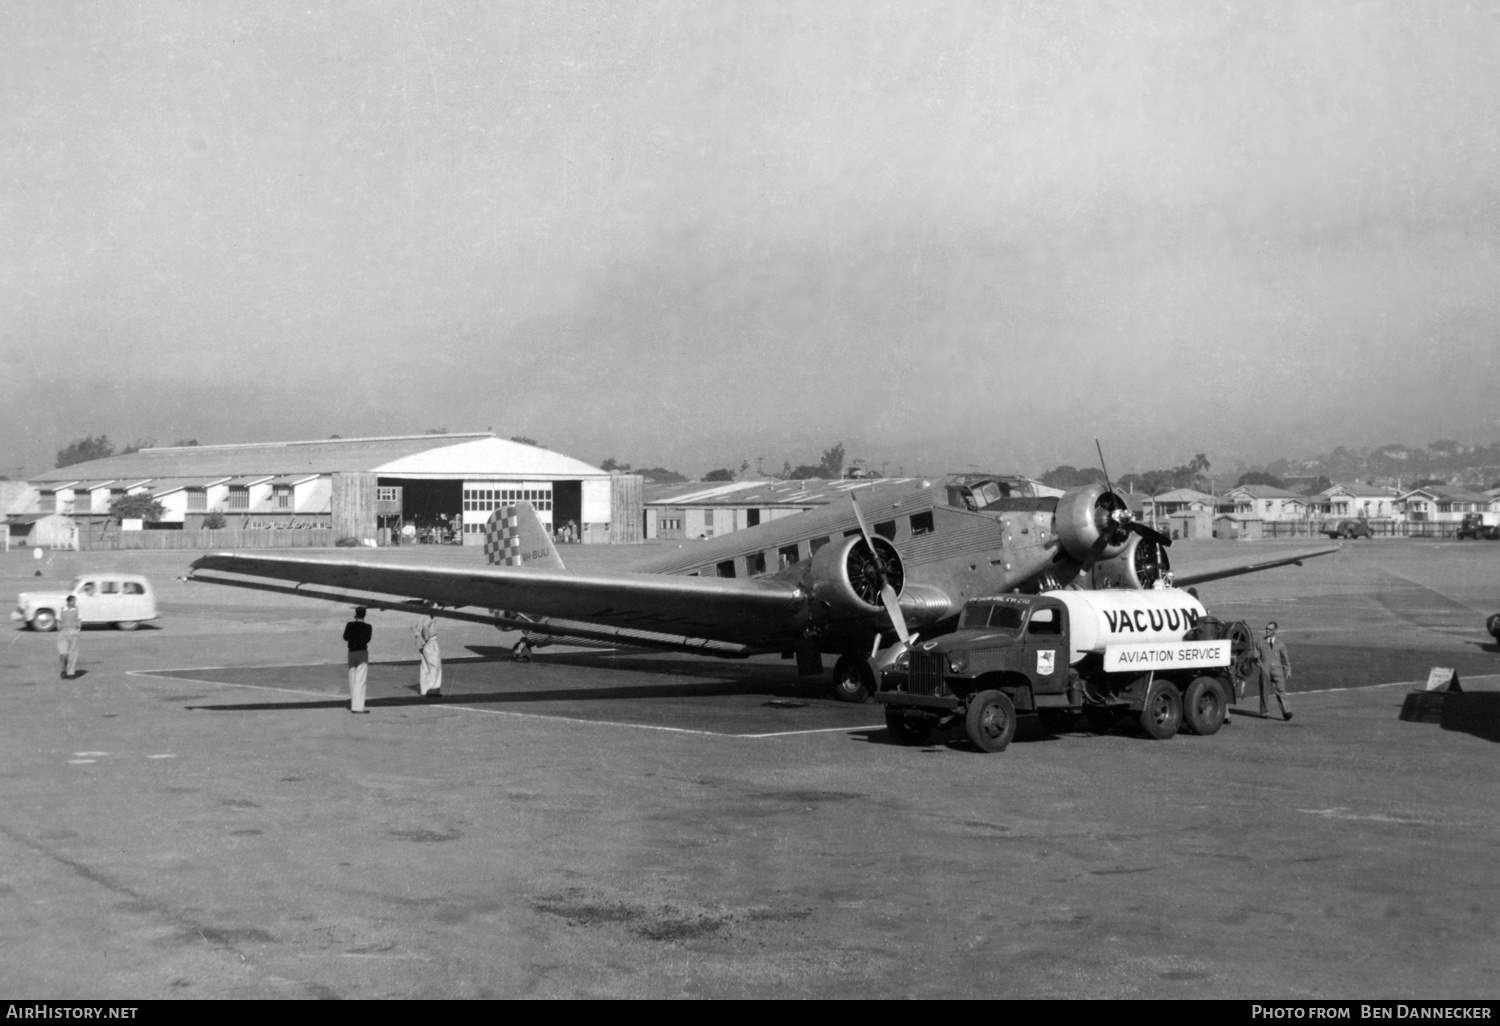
point(430, 681)
point(357, 634)
point(69, 627)
point(1275, 670)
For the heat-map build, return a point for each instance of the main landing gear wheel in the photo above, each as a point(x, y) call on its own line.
point(1162, 714)
point(521, 651)
point(853, 679)
point(991, 721)
point(44, 620)
point(1204, 706)
point(909, 730)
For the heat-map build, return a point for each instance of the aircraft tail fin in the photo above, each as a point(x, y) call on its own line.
point(516, 536)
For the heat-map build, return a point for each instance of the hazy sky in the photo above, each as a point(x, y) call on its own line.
point(691, 233)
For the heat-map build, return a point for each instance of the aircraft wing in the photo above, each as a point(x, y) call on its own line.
point(703, 607)
point(1212, 572)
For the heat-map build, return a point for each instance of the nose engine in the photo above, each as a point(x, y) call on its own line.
point(1141, 563)
point(846, 580)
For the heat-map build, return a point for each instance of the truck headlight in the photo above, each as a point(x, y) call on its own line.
point(958, 662)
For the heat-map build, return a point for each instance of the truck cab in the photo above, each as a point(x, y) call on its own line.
point(1062, 653)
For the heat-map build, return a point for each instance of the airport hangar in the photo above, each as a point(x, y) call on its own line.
point(359, 487)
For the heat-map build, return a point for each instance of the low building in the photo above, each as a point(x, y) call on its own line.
point(1159, 508)
point(444, 486)
point(1369, 502)
point(1238, 527)
point(1264, 502)
point(1442, 504)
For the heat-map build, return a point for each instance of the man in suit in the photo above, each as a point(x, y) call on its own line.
point(1275, 670)
point(357, 634)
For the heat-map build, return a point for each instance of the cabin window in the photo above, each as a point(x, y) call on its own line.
point(886, 529)
point(726, 568)
point(1044, 621)
point(755, 563)
point(921, 523)
point(816, 543)
point(109, 588)
point(787, 556)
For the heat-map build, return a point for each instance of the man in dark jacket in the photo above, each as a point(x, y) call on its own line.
point(1275, 670)
point(358, 634)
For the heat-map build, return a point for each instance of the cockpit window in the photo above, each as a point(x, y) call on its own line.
point(988, 492)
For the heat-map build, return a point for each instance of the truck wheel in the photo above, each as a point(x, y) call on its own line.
point(853, 680)
point(909, 730)
point(991, 721)
point(1492, 625)
point(1203, 706)
point(1162, 714)
point(44, 620)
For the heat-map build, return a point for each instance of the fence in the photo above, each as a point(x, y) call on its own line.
point(1378, 528)
point(224, 538)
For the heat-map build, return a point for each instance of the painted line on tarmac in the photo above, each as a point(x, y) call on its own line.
point(488, 712)
point(1392, 684)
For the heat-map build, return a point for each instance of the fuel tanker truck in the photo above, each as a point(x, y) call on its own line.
point(1154, 654)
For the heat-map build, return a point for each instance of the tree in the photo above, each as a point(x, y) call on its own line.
point(183, 443)
point(614, 464)
point(832, 464)
point(1429, 482)
point(722, 474)
point(805, 472)
point(525, 441)
point(1259, 477)
point(96, 447)
point(140, 506)
point(661, 475)
point(214, 520)
point(138, 445)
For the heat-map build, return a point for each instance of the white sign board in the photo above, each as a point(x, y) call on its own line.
point(1165, 655)
point(132, 524)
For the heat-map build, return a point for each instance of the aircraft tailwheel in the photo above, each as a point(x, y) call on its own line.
point(853, 679)
point(521, 651)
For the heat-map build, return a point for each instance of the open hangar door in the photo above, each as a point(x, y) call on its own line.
point(567, 504)
point(435, 508)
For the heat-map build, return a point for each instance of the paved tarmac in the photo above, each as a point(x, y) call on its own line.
point(199, 816)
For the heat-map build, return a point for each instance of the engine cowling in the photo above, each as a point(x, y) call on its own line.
point(845, 580)
point(1079, 521)
point(1140, 564)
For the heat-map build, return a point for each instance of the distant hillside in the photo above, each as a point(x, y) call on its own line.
point(1474, 466)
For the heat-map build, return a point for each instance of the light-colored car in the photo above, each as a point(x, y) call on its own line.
point(124, 600)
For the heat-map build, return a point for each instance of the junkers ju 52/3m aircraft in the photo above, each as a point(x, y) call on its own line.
point(851, 581)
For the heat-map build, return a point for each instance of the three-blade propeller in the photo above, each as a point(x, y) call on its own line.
point(888, 596)
point(1113, 518)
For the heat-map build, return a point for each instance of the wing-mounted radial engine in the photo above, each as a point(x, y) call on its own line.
point(1094, 525)
point(848, 578)
point(1141, 562)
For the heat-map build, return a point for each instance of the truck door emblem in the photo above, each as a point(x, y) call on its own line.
point(1045, 662)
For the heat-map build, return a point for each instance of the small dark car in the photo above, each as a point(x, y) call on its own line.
point(1349, 529)
point(1479, 525)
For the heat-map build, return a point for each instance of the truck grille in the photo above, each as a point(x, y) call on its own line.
point(925, 676)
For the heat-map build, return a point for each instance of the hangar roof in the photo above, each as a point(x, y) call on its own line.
point(811, 492)
point(478, 453)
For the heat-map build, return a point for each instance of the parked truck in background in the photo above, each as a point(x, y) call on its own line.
point(1156, 655)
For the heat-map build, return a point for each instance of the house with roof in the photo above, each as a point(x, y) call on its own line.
point(1265, 502)
point(1369, 502)
point(1442, 504)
